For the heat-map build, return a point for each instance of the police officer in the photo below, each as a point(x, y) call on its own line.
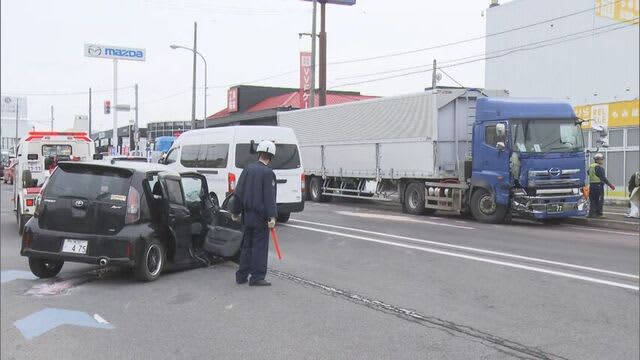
point(597, 179)
point(256, 192)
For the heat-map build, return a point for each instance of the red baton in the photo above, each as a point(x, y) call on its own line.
point(274, 236)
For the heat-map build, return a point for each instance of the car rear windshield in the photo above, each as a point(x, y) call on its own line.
point(55, 150)
point(286, 158)
point(89, 183)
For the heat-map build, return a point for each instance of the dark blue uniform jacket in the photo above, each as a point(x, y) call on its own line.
point(256, 190)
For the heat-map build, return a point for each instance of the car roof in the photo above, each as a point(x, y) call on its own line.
point(132, 166)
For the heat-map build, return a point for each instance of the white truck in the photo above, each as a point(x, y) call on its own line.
point(37, 155)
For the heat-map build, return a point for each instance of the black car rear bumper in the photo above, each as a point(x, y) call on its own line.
point(59, 256)
point(290, 207)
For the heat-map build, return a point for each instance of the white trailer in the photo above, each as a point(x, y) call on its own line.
point(379, 148)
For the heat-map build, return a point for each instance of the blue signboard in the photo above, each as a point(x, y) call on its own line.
point(337, 2)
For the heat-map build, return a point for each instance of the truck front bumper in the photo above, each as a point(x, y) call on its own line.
point(546, 207)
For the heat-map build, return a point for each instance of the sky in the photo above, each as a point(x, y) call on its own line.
point(244, 42)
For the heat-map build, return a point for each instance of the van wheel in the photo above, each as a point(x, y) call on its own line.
point(283, 217)
point(485, 209)
point(20, 219)
point(45, 268)
point(151, 261)
point(315, 190)
point(414, 199)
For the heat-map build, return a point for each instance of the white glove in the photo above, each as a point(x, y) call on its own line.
point(235, 217)
point(272, 223)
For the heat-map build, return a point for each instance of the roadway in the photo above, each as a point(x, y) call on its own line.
point(357, 281)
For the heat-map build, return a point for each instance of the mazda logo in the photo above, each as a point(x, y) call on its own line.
point(94, 50)
point(554, 171)
point(78, 203)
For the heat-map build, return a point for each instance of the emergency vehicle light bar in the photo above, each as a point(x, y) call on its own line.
point(77, 135)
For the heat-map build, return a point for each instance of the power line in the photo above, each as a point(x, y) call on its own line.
point(482, 54)
point(22, 93)
point(458, 42)
point(515, 50)
point(450, 77)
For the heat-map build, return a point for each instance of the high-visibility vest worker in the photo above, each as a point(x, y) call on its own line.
point(593, 178)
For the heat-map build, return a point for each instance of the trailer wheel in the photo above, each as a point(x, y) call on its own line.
point(414, 199)
point(485, 209)
point(315, 190)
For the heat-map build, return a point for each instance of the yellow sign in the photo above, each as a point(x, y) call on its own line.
point(619, 10)
point(615, 114)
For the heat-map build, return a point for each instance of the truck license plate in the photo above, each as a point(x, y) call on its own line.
point(74, 246)
point(555, 208)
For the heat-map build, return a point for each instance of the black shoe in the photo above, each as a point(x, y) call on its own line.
point(262, 282)
point(241, 281)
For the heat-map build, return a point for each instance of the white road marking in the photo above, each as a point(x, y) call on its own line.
point(475, 258)
point(400, 218)
point(605, 231)
point(99, 319)
point(468, 248)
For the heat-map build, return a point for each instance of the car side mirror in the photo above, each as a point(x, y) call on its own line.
point(500, 146)
point(98, 156)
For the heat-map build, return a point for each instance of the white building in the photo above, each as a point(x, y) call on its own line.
point(9, 105)
point(582, 51)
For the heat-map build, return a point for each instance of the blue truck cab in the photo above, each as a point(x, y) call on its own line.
point(528, 160)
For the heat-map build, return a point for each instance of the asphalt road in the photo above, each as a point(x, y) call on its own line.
point(358, 281)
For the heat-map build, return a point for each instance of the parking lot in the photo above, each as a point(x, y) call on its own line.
point(357, 281)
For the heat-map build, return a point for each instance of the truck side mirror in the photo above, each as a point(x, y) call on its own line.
point(500, 146)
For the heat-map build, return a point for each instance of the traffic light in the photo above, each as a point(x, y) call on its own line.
point(107, 107)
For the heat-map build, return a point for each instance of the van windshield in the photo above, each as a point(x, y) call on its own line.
point(287, 156)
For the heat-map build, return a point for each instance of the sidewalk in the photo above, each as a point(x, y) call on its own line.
point(614, 218)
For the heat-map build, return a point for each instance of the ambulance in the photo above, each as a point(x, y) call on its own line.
point(37, 156)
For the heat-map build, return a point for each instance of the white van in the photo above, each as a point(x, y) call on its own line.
point(221, 153)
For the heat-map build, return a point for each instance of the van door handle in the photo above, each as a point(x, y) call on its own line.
point(281, 181)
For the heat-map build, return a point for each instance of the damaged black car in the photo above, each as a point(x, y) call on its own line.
point(127, 214)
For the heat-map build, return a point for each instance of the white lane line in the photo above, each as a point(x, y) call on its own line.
point(605, 231)
point(469, 257)
point(400, 218)
point(467, 248)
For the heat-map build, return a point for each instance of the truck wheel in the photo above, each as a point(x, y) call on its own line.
point(45, 268)
point(151, 261)
point(283, 217)
point(316, 190)
point(414, 199)
point(485, 209)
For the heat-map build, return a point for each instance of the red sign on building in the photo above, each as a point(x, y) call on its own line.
point(232, 100)
point(305, 78)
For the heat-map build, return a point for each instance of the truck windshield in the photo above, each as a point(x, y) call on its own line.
point(546, 135)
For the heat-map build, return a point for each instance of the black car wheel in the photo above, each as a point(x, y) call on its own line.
point(45, 268)
point(485, 209)
point(151, 261)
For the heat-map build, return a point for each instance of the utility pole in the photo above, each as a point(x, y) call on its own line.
point(312, 94)
point(434, 79)
point(323, 54)
point(90, 113)
point(51, 117)
point(114, 137)
point(193, 90)
point(15, 145)
point(136, 135)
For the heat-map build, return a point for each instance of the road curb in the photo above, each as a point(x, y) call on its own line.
point(628, 225)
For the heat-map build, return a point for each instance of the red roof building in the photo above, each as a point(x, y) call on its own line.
point(256, 105)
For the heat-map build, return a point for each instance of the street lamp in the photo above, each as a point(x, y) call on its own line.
point(205, 77)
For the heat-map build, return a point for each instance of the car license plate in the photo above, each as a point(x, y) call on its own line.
point(75, 246)
point(555, 208)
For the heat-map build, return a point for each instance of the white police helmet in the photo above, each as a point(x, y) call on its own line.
point(598, 156)
point(267, 147)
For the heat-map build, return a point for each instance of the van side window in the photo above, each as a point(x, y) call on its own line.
point(205, 156)
point(490, 137)
point(172, 156)
point(189, 157)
